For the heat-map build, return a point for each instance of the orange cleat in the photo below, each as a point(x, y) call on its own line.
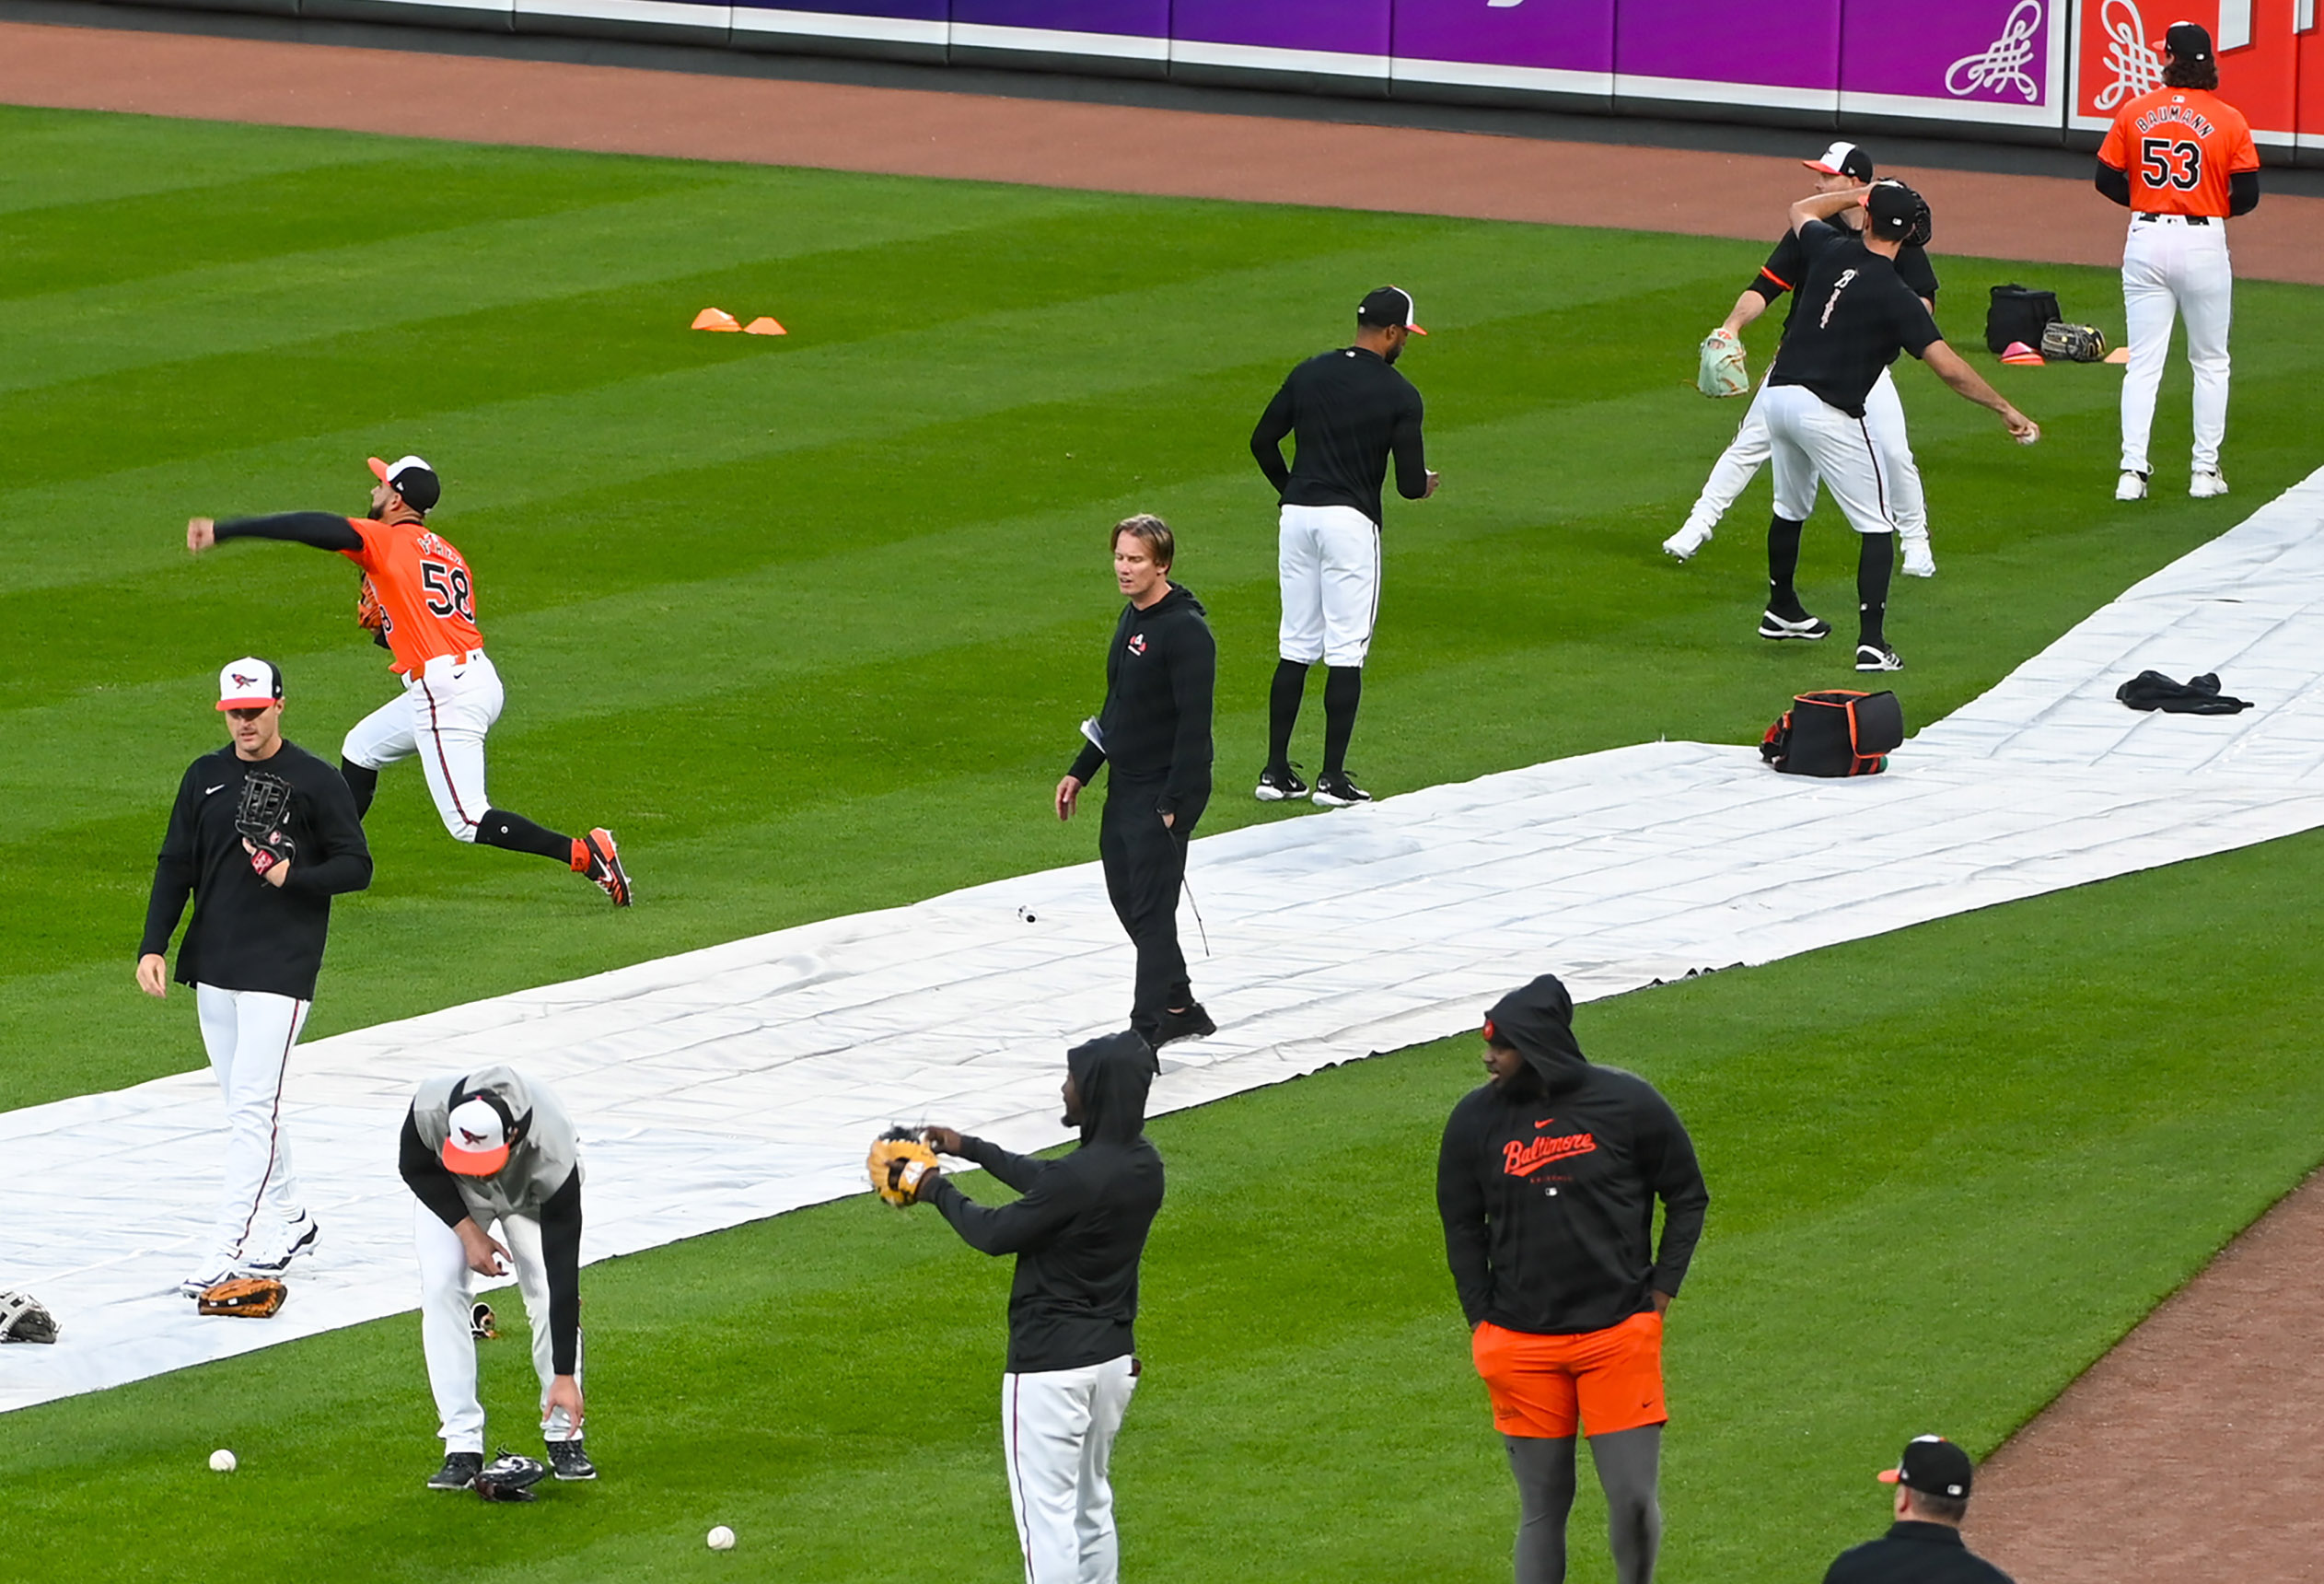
point(605, 865)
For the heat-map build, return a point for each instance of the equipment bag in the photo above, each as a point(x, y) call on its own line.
point(1835, 733)
point(2019, 313)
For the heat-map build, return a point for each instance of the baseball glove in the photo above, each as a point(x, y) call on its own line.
point(898, 1164)
point(1924, 225)
point(247, 1297)
point(1720, 371)
point(23, 1320)
point(369, 613)
point(264, 808)
point(482, 1323)
point(2063, 342)
point(510, 1478)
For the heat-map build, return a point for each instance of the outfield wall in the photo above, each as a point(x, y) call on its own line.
point(2032, 71)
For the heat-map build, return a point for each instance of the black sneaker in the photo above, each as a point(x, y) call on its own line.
point(1878, 657)
point(1800, 627)
point(568, 1462)
point(1192, 1023)
point(459, 1472)
point(1279, 786)
point(1339, 791)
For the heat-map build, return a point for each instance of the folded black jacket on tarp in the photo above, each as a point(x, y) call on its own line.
point(2196, 695)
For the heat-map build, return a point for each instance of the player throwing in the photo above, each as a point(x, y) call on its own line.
point(419, 600)
point(2181, 160)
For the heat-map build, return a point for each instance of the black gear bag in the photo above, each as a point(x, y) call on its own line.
point(1835, 733)
point(2019, 313)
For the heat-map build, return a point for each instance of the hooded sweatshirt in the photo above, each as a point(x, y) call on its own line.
point(1548, 1200)
point(1155, 726)
point(1081, 1226)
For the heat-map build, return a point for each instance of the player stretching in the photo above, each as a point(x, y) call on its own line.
point(1350, 412)
point(420, 602)
point(2180, 160)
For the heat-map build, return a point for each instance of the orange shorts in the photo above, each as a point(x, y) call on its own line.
point(1598, 1381)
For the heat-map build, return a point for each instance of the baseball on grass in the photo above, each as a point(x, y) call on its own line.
point(222, 1461)
point(722, 1539)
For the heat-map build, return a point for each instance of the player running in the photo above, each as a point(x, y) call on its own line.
point(419, 600)
point(2181, 160)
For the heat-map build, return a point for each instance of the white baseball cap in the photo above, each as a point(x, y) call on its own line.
point(249, 684)
point(480, 1136)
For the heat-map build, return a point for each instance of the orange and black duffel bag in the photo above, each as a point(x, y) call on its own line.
point(1835, 733)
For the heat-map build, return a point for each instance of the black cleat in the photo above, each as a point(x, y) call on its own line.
point(1878, 657)
point(1279, 786)
point(1339, 790)
point(568, 1462)
point(1192, 1023)
point(459, 1472)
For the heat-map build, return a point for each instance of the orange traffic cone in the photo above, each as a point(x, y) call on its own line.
point(762, 325)
point(715, 319)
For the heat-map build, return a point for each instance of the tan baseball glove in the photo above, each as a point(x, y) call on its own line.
point(899, 1163)
point(1720, 371)
point(248, 1298)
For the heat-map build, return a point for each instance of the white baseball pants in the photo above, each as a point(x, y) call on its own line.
point(1328, 562)
point(450, 1345)
point(1057, 1431)
point(1813, 442)
point(248, 1034)
point(2171, 268)
point(442, 716)
point(1751, 448)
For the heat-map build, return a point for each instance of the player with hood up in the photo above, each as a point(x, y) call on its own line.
point(1077, 1233)
point(1547, 1181)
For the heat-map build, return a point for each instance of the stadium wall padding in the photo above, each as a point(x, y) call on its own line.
point(2029, 71)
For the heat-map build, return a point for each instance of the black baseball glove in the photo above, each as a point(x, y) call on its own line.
point(1924, 225)
point(23, 1320)
point(261, 817)
point(510, 1478)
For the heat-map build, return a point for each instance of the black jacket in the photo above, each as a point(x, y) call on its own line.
point(1350, 411)
point(1913, 1553)
point(1548, 1196)
point(1079, 1230)
point(246, 935)
point(1160, 674)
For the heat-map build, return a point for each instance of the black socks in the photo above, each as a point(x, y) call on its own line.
point(363, 783)
point(1282, 711)
point(1343, 689)
point(1876, 564)
point(1782, 566)
point(499, 827)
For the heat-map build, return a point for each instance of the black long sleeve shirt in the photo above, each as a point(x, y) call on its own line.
point(1914, 1553)
point(246, 934)
point(1350, 413)
point(1161, 672)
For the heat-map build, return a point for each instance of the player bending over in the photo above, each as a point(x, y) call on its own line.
point(419, 601)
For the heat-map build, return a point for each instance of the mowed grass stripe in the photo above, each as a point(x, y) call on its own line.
point(59, 159)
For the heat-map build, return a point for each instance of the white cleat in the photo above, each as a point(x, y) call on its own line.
point(1919, 560)
point(1682, 546)
point(2129, 486)
point(2206, 484)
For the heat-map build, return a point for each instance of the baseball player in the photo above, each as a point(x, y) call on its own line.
point(1546, 1183)
point(1854, 315)
point(1841, 166)
point(419, 600)
point(1154, 732)
point(2181, 160)
point(1350, 412)
point(1078, 1232)
point(479, 1149)
point(262, 912)
point(1925, 1544)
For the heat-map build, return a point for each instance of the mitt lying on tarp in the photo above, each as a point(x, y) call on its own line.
point(2196, 695)
point(23, 1320)
point(246, 1298)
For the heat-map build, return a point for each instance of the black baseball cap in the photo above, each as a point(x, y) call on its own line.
point(1889, 208)
point(2189, 41)
point(1933, 1466)
point(412, 478)
point(1386, 307)
point(1842, 159)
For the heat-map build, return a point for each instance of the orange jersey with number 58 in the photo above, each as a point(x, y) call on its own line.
point(2178, 146)
point(422, 585)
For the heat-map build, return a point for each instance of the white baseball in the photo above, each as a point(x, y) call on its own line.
point(722, 1539)
point(222, 1461)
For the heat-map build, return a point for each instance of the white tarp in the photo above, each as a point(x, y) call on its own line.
point(746, 1080)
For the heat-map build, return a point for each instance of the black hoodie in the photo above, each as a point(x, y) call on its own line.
point(1547, 1200)
point(1079, 1230)
point(1160, 674)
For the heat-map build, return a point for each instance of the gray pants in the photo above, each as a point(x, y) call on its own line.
point(1628, 1464)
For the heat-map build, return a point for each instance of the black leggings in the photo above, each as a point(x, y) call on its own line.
point(1629, 1465)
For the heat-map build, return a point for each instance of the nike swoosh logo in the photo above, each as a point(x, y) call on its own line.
point(1543, 1123)
point(219, 787)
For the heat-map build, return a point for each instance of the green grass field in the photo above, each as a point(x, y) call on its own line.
point(808, 622)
